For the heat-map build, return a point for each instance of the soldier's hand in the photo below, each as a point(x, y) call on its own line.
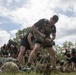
point(47, 40)
point(31, 46)
point(43, 35)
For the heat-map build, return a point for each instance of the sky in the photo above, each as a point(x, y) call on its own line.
point(19, 14)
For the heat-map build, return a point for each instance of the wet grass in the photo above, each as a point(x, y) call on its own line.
point(33, 73)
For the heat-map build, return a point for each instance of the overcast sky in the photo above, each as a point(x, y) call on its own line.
point(18, 14)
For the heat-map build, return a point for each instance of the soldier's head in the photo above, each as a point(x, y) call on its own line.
point(54, 19)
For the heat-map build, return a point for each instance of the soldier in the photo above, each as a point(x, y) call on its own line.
point(43, 28)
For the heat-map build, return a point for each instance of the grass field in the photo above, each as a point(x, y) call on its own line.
point(32, 73)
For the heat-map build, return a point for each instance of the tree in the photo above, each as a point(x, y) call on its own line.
point(60, 49)
point(67, 44)
point(21, 32)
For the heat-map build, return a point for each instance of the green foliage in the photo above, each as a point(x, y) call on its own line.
point(21, 32)
point(60, 49)
point(33, 73)
point(68, 45)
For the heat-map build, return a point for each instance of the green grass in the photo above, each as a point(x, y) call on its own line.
point(32, 73)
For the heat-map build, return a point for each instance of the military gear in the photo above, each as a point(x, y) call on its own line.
point(40, 39)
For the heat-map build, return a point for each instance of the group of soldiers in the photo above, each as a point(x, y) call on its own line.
point(41, 34)
point(37, 37)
